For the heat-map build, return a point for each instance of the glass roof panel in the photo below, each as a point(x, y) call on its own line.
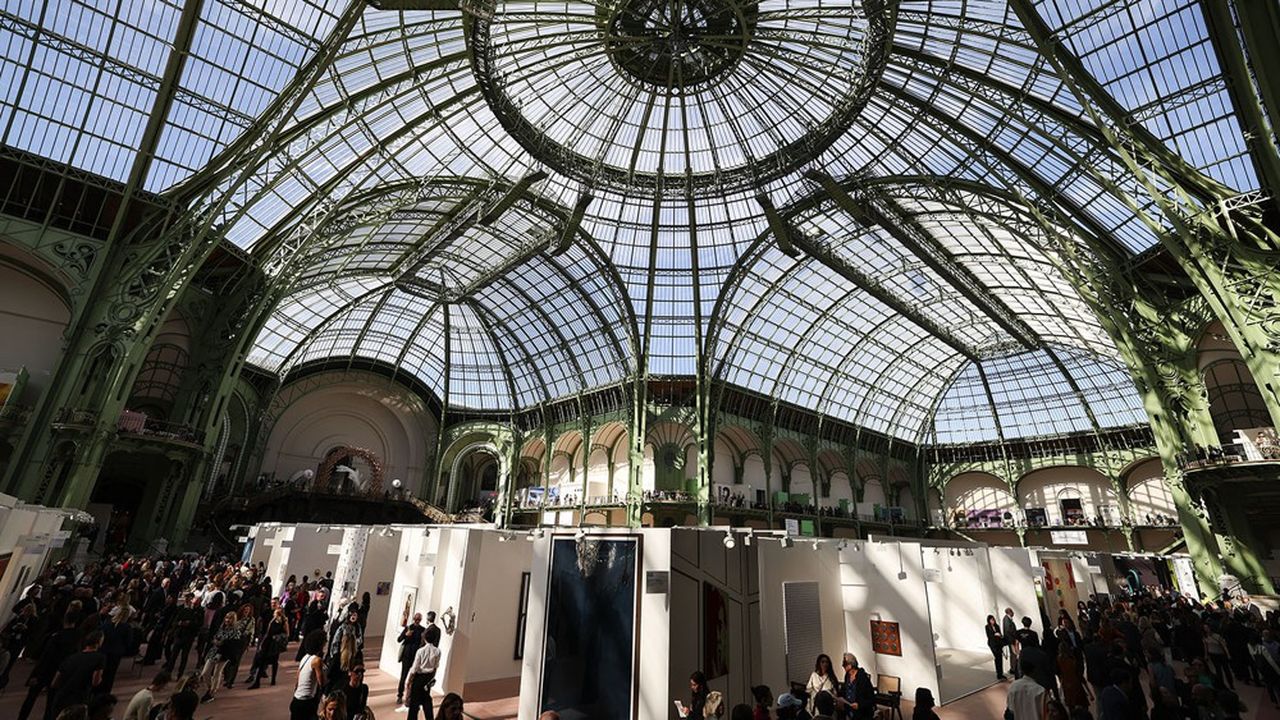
point(687, 139)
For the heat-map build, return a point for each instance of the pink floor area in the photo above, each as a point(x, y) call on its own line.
point(485, 701)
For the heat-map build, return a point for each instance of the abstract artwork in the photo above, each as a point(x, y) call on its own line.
point(715, 624)
point(886, 638)
point(590, 630)
point(382, 588)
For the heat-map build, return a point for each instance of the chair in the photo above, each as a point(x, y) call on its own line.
point(889, 694)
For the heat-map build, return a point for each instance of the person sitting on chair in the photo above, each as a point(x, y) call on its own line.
point(857, 696)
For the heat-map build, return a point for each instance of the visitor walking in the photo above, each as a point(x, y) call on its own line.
point(410, 639)
point(306, 694)
point(422, 676)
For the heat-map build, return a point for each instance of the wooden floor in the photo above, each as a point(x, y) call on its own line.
point(486, 701)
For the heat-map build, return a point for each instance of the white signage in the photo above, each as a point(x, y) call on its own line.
point(1069, 537)
point(793, 527)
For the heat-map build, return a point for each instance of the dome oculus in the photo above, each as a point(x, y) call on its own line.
point(677, 97)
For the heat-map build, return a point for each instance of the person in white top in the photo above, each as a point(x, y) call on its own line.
point(140, 706)
point(1026, 700)
point(823, 679)
point(306, 696)
point(421, 677)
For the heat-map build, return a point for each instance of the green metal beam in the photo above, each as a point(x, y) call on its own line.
point(1240, 73)
point(846, 269)
point(514, 193)
point(781, 230)
point(570, 230)
point(929, 251)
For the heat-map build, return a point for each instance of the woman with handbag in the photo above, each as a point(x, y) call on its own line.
point(222, 645)
point(274, 640)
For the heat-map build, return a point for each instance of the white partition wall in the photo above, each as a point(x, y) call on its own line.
point(27, 534)
point(475, 572)
point(654, 663)
point(297, 551)
point(801, 609)
point(961, 595)
point(885, 582)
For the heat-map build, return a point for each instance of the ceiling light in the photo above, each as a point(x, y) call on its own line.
point(729, 542)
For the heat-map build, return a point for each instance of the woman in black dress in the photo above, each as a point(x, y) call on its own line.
point(995, 641)
point(273, 643)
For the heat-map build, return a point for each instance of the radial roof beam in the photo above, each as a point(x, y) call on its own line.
point(570, 229)
point(1243, 61)
point(513, 193)
point(872, 209)
point(414, 4)
point(778, 225)
point(845, 269)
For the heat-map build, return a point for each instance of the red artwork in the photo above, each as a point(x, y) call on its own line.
point(886, 638)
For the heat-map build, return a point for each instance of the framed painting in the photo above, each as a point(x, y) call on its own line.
point(715, 624)
point(886, 638)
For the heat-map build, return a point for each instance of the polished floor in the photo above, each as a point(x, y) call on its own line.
point(484, 701)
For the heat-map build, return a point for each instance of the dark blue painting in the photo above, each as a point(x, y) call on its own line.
point(588, 658)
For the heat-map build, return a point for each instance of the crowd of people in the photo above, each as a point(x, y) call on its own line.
point(828, 694)
point(1156, 656)
point(194, 619)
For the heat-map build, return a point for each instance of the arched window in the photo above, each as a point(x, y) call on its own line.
point(1234, 400)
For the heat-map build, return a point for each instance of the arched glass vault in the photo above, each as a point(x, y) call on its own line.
point(876, 209)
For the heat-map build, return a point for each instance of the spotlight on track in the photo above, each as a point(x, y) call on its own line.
point(580, 535)
point(729, 542)
point(746, 540)
point(786, 542)
point(816, 544)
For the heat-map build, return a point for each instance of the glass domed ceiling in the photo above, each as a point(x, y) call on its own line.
point(676, 96)
point(521, 201)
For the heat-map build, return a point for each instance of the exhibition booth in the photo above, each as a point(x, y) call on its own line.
point(477, 581)
point(28, 533)
point(359, 557)
point(1069, 577)
point(609, 623)
point(910, 611)
point(618, 619)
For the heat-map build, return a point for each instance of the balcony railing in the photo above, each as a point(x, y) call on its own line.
point(136, 423)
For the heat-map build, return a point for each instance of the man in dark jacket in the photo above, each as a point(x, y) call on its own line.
point(188, 620)
point(857, 695)
point(411, 638)
point(432, 633)
point(61, 645)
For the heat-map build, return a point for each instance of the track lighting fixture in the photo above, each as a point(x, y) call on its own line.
point(729, 542)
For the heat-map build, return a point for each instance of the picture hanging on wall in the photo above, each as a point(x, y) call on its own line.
point(410, 598)
point(886, 638)
point(715, 623)
point(383, 588)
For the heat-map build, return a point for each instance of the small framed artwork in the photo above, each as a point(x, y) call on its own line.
point(383, 588)
point(886, 638)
